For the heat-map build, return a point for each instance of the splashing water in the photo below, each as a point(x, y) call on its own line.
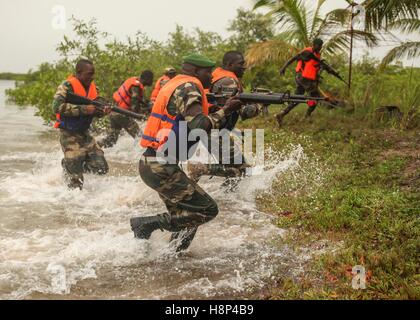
point(57, 243)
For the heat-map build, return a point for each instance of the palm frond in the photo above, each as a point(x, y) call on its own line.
point(340, 42)
point(406, 25)
point(332, 20)
point(269, 51)
point(289, 15)
point(316, 19)
point(380, 13)
point(409, 49)
point(263, 3)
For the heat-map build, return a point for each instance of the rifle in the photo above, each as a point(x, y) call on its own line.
point(325, 66)
point(267, 98)
point(80, 100)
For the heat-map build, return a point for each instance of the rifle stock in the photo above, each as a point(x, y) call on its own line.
point(80, 100)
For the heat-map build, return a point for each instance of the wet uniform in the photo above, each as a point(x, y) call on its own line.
point(187, 203)
point(81, 152)
point(229, 84)
point(119, 122)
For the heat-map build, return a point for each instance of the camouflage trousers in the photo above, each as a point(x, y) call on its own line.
point(117, 123)
point(81, 154)
point(187, 203)
point(303, 86)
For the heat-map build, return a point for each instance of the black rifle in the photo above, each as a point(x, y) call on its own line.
point(80, 100)
point(267, 98)
point(325, 66)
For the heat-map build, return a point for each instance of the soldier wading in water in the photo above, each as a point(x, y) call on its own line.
point(181, 102)
point(81, 152)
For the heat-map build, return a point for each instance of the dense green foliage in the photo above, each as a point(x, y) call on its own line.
point(116, 60)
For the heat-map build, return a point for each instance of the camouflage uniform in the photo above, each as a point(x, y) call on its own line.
point(230, 170)
point(188, 205)
point(304, 85)
point(119, 121)
point(81, 152)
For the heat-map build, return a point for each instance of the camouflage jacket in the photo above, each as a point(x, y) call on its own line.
point(247, 111)
point(59, 104)
point(187, 102)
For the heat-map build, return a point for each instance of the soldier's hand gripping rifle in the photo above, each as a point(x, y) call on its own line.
point(80, 100)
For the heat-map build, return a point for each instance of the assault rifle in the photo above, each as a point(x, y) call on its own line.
point(325, 66)
point(80, 100)
point(266, 98)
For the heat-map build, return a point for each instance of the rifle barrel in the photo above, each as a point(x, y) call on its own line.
point(80, 100)
point(271, 98)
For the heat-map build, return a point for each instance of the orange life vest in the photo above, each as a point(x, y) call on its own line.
point(159, 84)
point(79, 89)
point(160, 122)
point(220, 73)
point(309, 69)
point(123, 96)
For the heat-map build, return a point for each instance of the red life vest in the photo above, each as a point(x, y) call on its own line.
point(123, 96)
point(159, 84)
point(309, 69)
point(80, 90)
point(160, 122)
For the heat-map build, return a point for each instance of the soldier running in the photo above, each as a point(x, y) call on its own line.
point(129, 96)
point(182, 101)
point(81, 152)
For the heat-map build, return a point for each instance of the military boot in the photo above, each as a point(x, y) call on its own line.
point(143, 227)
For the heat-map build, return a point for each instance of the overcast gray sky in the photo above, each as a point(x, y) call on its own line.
point(28, 37)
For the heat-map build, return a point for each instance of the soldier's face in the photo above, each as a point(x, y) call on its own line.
point(204, 74)
point(87, 75)
point(148, 82)
point(238, 66)
point(317, 47)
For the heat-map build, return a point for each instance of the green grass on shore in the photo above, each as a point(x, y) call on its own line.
point(358, 191)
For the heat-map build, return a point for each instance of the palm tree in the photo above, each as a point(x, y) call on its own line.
point(381, 14)
point(408, 49)
point(390, 15)
point(299, 25)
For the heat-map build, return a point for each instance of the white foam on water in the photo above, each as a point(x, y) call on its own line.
point(89, 232)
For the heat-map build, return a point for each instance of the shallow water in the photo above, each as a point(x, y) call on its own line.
point(56, 243)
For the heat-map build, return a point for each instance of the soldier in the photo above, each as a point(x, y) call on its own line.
point(170, 72)
point(307, 77)
point(227, 79)
point(129, 96)
point(181, 101)
point(81, 152)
